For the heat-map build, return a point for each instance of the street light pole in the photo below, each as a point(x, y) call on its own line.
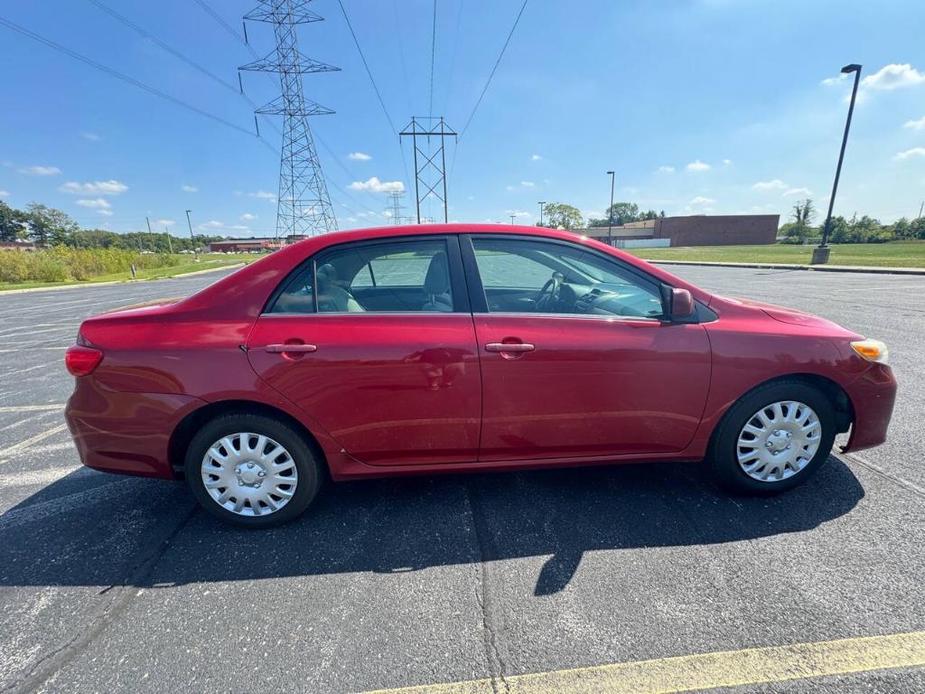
point(512, 219)
point(192, 238)
point(541, 204)
point(610, 212)
point(821, 252)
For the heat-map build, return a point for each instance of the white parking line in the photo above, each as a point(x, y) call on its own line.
point(7, 453)
point(5, 374)
point(32, 408)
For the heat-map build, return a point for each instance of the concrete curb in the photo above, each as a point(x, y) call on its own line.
point(794, 266)
point(112, 282)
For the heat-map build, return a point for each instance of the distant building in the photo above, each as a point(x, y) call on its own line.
point(251, 245)
point(693, 230)
point(17, 246)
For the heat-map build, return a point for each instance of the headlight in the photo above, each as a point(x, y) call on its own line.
point(872, 350)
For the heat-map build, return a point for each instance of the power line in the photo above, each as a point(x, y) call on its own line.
point(495, 67)
point(433, 56)
point(372, 81)
point(222, 23)
point(125, 78)
point(151, 37)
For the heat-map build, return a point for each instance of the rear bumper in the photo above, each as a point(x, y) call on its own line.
point(126, 433)
point(872, 397)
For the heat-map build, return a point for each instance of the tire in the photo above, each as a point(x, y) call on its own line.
point(268, 478)
point(764, 455)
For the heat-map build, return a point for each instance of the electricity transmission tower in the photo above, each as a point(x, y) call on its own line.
point(429, 173)
point(303, 206)
point(397, 207)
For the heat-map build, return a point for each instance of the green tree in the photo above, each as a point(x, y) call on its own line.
point(10, 223)
point(560, 215)
point(49, 226)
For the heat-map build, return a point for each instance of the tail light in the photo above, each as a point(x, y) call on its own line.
point(81, 360)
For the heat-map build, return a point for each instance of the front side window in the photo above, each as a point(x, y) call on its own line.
point(527, 276)
point(395, 276)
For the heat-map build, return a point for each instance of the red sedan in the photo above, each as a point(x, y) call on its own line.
point(412, 350)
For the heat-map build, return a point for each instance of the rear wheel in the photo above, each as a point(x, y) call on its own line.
point(773, 438)
point(251, 470)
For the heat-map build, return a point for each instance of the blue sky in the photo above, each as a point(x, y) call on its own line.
point(710, 106)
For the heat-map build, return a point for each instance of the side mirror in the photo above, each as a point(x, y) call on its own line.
point(682, 304)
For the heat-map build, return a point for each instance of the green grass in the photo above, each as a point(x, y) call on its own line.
point(893, 254)
point(208, 261)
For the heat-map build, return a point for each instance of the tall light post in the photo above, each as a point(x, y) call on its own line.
point(541, 204)
point(610, 212)
point(192, 238)
point(821, 252)
point(512, 219)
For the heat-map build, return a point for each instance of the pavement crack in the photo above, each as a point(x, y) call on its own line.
point(123, 595)
point(905, 484)
point(496, 666)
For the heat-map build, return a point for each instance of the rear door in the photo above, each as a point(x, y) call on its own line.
point(374, 340)
point(576, 360)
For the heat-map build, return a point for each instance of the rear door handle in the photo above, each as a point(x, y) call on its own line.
point(279, 349)
point(509, 347)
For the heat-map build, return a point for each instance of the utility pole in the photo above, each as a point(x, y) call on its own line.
point(821, 252)
point(610, 212)
point(512, 219)
point(304, 206)
point(169, 241)
point(192, 238)
point(429, 174)
point(542, 203)
point(921, 208)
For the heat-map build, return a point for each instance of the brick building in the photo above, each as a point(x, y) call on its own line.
point(693, 230)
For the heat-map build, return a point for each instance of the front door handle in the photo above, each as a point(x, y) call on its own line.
point(509, 347)
point(279, 349)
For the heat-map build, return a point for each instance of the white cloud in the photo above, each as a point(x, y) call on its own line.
point(41, 170)
point(248, 217)
point(775, 184)
point(95, 203)
point(359, 156)
point(527, 184)
point(701, 201)
point(698, 165)
point(262, 195)
point(522, 184)
point(189, 189)
point(915, 124)
point(727, 162)
point(110, 187)
point(893, 76)
point(107, 213)
point(909, 153)
point(93, 137)
point(535, 157)
point(374, 185)
point(665, 169)
point(163, 222)
point(790, 192)
point(832, 81)
point(518, 213)
point(4, 193)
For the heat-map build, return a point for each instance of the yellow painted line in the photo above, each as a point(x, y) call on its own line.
point(709, 670)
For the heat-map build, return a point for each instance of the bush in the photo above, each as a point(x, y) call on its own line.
point(62, 264)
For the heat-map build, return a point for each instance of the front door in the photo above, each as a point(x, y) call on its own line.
point(575, 359)
point(374, 341)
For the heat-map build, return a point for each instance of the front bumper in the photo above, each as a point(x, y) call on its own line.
point(872, 398)
point(126, 433)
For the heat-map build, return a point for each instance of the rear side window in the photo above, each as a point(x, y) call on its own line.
point(399, 276)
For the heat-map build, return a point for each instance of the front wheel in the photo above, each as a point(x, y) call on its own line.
point(773, 438)
point(251, 470)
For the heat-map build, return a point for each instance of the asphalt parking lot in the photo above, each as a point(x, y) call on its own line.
point(117, 584)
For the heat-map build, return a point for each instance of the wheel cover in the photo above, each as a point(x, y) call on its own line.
point(778, 441)
point(249, 474)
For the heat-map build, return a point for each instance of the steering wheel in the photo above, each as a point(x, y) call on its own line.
point(549, 294)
